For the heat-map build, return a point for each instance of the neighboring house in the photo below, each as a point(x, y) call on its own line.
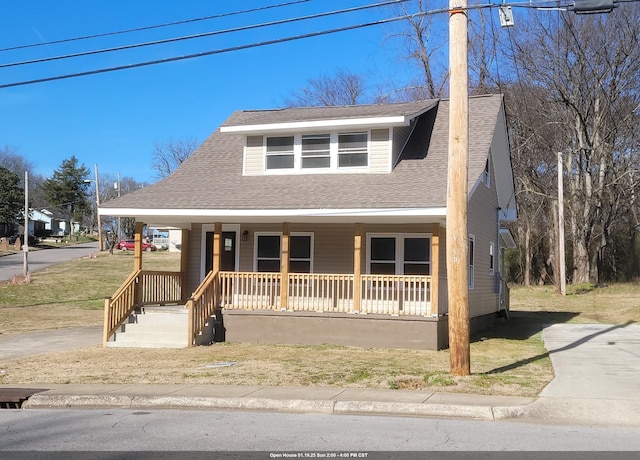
point(327, 225)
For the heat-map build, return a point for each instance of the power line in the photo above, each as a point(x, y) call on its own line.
point(528, 4)
point(205, 34)
point(157, 26)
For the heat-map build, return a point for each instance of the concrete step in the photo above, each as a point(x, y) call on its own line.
point(154, 327)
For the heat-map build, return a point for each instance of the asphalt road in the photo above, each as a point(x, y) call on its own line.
point(13, 265)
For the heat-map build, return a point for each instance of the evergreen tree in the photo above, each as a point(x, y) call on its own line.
point(11, 199)
point(67, 189)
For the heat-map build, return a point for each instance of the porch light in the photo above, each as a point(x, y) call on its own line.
point(245, 235)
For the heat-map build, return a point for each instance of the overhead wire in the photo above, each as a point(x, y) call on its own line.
point(204, 34)
point(527, 4)
point(151, 27)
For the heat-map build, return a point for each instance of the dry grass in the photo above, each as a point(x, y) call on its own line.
point(508, 359)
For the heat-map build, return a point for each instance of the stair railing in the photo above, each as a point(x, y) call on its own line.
point(202, 305)
point(118, 307)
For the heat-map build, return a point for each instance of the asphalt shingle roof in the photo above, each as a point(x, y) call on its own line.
point(211, 178)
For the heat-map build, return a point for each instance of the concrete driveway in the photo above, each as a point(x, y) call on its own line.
point(595, 361)
point(13, 264)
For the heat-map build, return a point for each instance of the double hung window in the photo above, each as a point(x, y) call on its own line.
point(316, 151)
point(399, 254)
point(352, 150)
point(269, 254)
point(328, 152)
point(280, 152)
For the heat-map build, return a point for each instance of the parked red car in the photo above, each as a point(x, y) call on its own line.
point(129, 245)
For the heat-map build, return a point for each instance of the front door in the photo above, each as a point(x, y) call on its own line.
point(227, 256)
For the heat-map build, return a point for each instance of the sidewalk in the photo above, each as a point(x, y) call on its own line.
point(599, 357)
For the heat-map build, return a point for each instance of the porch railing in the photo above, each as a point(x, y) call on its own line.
point(202, 305)
point(140, 288)
point(380, 294)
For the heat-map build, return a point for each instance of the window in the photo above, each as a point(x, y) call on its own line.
point(399, 254)
point(352, 150)
point(280, 152)
point(268, 252)
point(328, 152)
point(491, 258)
point(472, 256)
point(316, 151)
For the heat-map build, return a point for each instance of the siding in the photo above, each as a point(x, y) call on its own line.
point(254, 156)
point(482, 222)
point(379, 153)
point(194, 263)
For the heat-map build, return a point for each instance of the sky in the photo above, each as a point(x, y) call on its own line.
point(114, 119)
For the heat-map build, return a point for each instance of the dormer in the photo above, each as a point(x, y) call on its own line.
point(325, 140)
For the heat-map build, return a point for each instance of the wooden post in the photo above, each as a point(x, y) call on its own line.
point(284, 267)
point(137, 253)
point(217, 240)
point(457, 192)
point(184, 262)
point(435, 268)
point(357, 268)
point(105, 328)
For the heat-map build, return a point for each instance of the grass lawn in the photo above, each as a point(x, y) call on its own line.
point(508, 359)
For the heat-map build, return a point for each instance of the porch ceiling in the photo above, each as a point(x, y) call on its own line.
point(183, 218)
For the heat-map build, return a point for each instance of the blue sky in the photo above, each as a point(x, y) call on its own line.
point(114, 119)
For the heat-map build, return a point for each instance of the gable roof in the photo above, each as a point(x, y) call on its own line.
point(209, 185)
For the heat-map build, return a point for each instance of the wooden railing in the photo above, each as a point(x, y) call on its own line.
point(320, 292)
point(202, 305)
point(160, 287)
point(250, 290)
point(119, 306)
point(396, 294)
point(140, 288)
point(380, 294)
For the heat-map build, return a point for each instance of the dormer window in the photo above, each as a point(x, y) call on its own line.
point(317, 152)
point(280, 152)
point(352, 150)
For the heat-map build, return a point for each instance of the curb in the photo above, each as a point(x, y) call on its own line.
point(44, 401)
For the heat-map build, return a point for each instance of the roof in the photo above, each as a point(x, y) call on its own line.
point(211, 178)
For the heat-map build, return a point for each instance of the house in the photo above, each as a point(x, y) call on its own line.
point(325, 225)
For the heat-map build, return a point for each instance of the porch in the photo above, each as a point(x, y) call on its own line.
point(277, 306)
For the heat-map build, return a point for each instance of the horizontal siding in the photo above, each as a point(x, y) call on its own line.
point(194, 261)
point(483, 205)
point(254, 155)
point(379, 151)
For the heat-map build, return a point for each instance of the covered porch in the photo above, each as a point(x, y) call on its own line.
point(252, 299)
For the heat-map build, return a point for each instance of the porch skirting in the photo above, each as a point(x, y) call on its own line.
point(311, 328)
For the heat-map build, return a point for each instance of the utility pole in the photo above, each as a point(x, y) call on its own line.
point(25, 246)
point(97, 209)
point(561, 261)
point(457, 191)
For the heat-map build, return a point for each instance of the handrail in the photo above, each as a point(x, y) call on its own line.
point(119, 306)
point(202, 305)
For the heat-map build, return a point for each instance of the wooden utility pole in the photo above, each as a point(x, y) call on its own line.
point(25, 246)
point(561, 261)
point(98, 209)
point(457, 191)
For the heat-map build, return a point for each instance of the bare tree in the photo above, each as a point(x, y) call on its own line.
point(343, 88)
point(168, 155)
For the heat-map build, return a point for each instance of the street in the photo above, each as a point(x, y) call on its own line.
point(175, 430)
point(12, 265)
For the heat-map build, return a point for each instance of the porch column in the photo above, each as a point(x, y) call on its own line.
point(137, 253)
point(284, 267)
point(184, 261)
point(217, 240)
point(435, 267)
point(357, 264)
